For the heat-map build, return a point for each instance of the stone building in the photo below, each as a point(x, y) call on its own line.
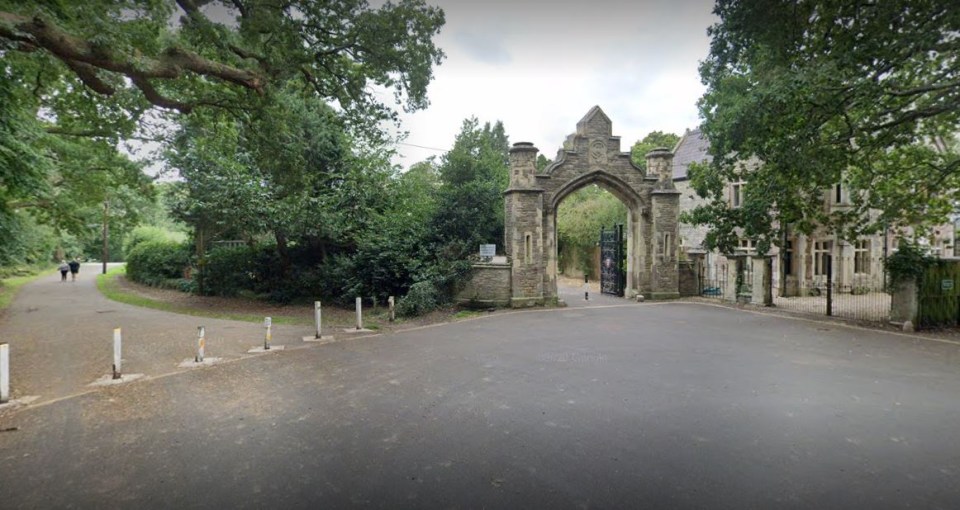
point(802, 264)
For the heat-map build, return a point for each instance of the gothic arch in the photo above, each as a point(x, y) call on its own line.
point(590, 155)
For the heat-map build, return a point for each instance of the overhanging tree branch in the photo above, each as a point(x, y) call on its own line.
point(88, 60)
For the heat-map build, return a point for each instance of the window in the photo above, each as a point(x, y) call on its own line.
point(528, 248)
point(666, 246)
point(838, 194)
point(747, 245)
point(788, 258)
point(736, 192)
point(821, 257)
point(861, 257)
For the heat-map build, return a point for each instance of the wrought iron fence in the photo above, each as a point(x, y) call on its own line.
point(713, 287)
point(858, 302)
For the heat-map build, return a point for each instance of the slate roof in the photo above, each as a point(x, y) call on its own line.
point(692, 148)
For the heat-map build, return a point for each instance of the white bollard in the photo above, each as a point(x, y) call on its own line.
point(267, 322)
point(201, 344)
point(392, 312)
point(359, 313)
point(317, 316)
point(4, 373)
point(117, 371)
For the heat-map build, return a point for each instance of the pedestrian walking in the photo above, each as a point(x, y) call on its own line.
point(64, 268)
point(74, 268)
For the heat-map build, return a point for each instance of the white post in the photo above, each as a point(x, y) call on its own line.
point(116, 354)
point(4, 373)
point(390, 304)
point(359, 313)
point(201, 344)
point(267, 322)
point(317, 316)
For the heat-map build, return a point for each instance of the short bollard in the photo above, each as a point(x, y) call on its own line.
point(201, 344)
point(117, 371)
point(317, 317)
point(359, 313)
point(267, 323)
point(4, 373)
point(392, 311)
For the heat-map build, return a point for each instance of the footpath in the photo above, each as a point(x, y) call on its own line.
point(61, 337)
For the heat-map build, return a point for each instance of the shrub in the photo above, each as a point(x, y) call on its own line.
point(143, 234)
point(155, 262)
point(908, 263)
point(227, 271)
point(422, 298)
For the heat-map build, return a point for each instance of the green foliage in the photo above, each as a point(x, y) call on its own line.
point(228, 271)
point(909, 262)
point(119, 57)
point(938, 307)
point(580, 217)
point(653, 140)
point(543, 162)
point(156, 262)
point(473, 176)
point(803, 95)
point(422, 298)
point(144, 234)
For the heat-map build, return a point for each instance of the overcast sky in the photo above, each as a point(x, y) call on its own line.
point(540, 66)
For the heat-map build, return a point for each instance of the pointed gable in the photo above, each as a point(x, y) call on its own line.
point(595, 124)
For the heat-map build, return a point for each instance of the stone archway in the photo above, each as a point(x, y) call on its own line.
point(590, 156)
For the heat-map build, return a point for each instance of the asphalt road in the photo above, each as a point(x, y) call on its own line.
point(635, 406)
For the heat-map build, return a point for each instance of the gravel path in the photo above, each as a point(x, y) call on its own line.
point(61, 337)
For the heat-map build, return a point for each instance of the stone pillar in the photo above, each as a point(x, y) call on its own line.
point(665, 212)
point(762, 291)
point(730, 289)
point(523, 227)
point(698, 258)
point(904, 304)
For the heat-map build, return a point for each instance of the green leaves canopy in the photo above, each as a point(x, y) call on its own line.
point(810, 94)
point(227, 53)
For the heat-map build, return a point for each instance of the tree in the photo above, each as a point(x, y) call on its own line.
point(804, 95)
point(653, 140)
point(284, 170)
point(473, 176)
point(543, 162)
point(579, 219)
point(227, 53)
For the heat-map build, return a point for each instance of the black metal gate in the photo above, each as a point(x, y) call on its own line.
point(612, 261)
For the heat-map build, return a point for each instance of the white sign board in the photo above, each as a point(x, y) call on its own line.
point(488, 250)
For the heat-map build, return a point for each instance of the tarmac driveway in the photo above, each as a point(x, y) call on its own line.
point(639, 406)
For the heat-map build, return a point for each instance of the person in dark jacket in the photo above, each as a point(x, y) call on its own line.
point(74, 268)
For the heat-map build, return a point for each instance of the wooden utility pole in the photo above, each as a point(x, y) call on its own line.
point(106, 234)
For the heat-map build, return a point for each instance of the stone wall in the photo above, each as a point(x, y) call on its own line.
point(489, 285)
point(689, 279)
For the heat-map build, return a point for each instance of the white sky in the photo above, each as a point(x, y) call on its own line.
point(540, 66)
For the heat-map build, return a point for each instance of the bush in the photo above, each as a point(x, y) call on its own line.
point(908, 263)
point(143, 234)
point(228, 271)
point(155, 262)
point(422, 298)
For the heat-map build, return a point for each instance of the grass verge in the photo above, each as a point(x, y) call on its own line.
point(10, 286)
point(108, 286)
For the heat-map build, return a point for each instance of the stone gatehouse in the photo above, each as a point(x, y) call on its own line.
point(591, 155)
